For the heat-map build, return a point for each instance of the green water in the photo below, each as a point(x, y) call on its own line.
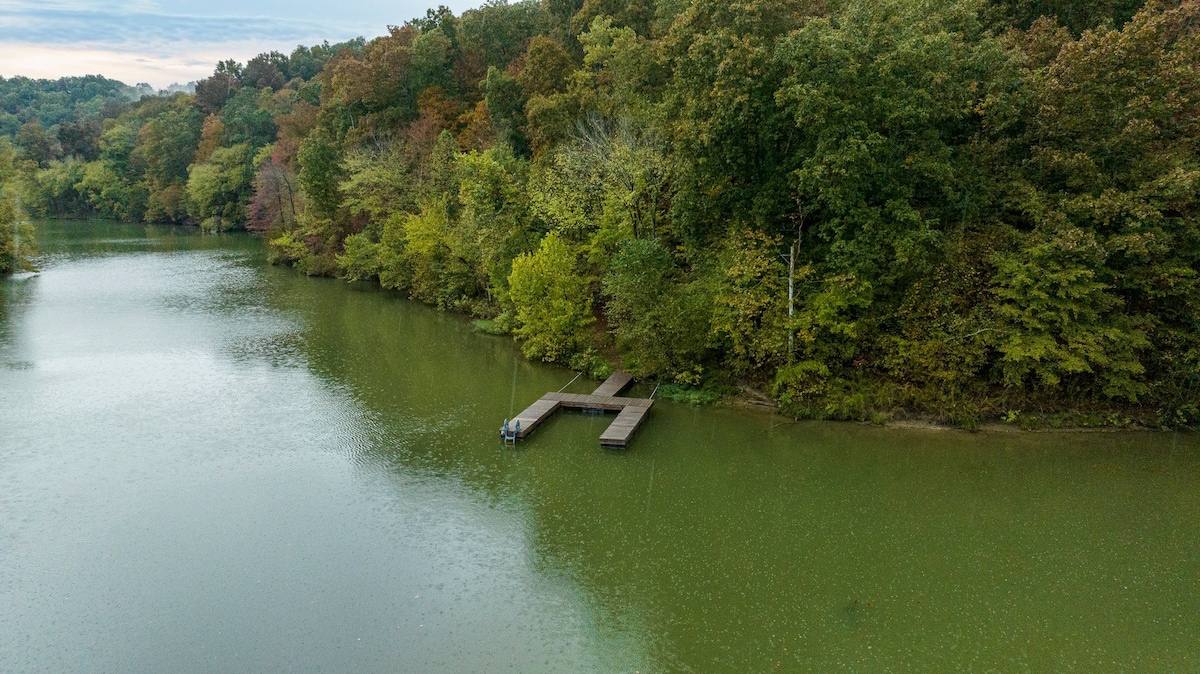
point(212, 465)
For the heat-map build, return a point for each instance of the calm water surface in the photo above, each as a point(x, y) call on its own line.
point(212, 465)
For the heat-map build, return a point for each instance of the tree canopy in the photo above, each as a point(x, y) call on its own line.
point(964, 209)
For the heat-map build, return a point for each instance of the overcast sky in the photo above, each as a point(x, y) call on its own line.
point(167, 41)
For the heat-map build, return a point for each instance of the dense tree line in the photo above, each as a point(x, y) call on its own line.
point(947, 207)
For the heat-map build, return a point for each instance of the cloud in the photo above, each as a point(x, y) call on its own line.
point(133, 46)
point(166, 41)
point(142, 31)
point(52, 62)
point(81, 5)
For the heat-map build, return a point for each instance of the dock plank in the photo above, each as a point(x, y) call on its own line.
point(623, 427)
point(535, 414)
point(595, 402)
point(616, 383)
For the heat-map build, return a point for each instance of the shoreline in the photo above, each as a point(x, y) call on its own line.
point(751, 399)
point(755, 402)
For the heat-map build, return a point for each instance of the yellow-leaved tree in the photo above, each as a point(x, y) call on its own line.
point(550, 300)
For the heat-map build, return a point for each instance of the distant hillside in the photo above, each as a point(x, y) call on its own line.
point(53, 101)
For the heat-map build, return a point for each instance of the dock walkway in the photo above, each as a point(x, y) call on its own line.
point(631, 412)
point(619, 381)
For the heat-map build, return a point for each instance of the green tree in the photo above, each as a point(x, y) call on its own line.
point(53, 191)
point(248, 118)
point(214, 91)
point(166, 145)
point(749, 306)
point(34, 144)
point(80, 138)
point(1060, 321)
point(505, 101)
point(551, 302)
point(1104, 292)
point(661, 324)
point(219, 188)
point(378, 183)
point(321, 172)
point(733, 144)
point(17, 243)
point(265, 71)
point(494, 226)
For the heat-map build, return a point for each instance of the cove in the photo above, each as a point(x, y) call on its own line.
point(211, 464)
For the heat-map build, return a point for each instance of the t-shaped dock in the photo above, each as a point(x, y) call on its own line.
point(631, 412)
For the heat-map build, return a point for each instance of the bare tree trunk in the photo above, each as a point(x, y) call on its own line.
point(795, 248)
point(279, 198)
point(791, 297)
point(291, 195)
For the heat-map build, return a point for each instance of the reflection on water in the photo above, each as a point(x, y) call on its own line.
point(207, 464)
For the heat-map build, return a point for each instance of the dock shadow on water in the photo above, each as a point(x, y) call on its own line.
point(210, 464)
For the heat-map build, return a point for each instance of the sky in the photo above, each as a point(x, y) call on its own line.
point(163, 42)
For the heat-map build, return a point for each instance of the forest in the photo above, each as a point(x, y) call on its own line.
point(959, 210)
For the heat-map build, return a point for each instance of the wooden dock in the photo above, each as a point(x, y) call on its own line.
point(617, 435)
point(619, 381)
point(631, 412)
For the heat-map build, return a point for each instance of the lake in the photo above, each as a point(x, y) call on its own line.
point(208, 464)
